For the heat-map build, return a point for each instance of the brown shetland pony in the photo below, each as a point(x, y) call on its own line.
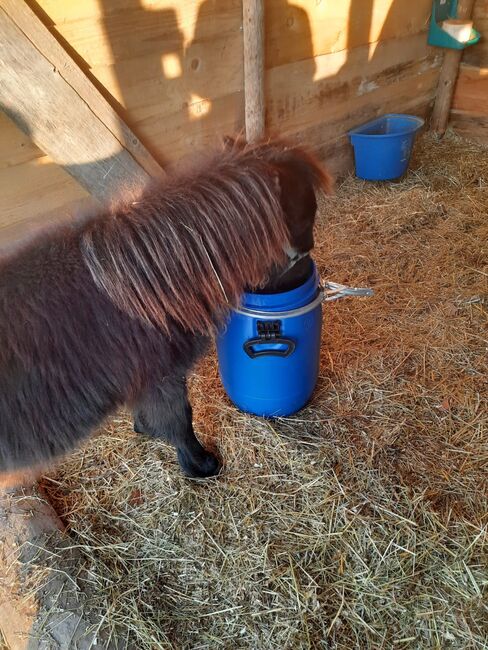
point(116, 310)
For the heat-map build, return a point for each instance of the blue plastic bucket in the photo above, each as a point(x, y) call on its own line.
point(382, 147)
point(269, 352)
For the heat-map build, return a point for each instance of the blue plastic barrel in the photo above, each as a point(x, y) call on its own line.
point(269, 352)
point(382, 147)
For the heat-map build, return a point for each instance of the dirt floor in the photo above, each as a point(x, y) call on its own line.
point(359, 523)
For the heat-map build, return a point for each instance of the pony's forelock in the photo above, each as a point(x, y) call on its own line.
point(185, 249)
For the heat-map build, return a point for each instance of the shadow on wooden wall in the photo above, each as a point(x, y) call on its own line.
point(173, 71)
point(180, 81)
point(180, 85)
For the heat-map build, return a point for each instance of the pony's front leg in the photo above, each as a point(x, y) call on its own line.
point(165, 412)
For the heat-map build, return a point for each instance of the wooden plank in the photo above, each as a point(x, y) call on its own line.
point(123, 42)
point(337, 151)
point(35, 194)
point(97, 148)
point(142, 84)
point(306, 28)
point(296, 101)
point(15, 146)
point(478, 54)
point(471, 126)
point(108, 31)
point(102, 32)
point(35, 191)
point(158, 59)
point(253, 35)
point(35, 188)
point(412, 95)
point(61, 11)
point(199, 126)
point(23, 228)
point(471, 92)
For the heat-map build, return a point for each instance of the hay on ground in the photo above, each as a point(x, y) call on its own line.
point(359, 523)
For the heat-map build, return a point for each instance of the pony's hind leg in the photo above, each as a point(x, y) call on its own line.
point(165, 412)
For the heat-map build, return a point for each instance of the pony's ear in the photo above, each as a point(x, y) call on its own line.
point(312, 167)
point(323, 177)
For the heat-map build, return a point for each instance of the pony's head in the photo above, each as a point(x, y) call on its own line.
point(299, 175)
point(186, 249)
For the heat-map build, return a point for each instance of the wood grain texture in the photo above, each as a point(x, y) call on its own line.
point(339, 155)
point(253, 35)
point(60, 77)
point(478, 54)
point(469, 114)
point(471, 91)
point(111, 33)
point(306, 28)
point(296, 101)
point(174, 73)
point(332, 143)
point(122, 43)
point(15, 146)
point(471, 126)
point(160, 61)
point(295, 29)
point(36, 188)
point(43, 105)
point(198, 126)
point(142, 85)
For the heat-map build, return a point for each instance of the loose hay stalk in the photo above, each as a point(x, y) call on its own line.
point(360, 522)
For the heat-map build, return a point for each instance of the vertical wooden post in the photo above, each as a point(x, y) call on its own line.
point(447, 78)
point(253, 32)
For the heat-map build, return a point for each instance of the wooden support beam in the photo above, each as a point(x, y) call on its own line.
point(52, 100)
point(253, 30)
point(447, 79)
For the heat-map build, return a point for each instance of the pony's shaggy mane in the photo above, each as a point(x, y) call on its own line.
point(186, 248)
point(280, 151)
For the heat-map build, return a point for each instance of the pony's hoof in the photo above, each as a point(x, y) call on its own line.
point(204, 466)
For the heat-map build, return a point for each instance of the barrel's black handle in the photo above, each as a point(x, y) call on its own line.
point(250, 344)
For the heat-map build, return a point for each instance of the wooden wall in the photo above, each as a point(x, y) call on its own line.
point(32, 188)
point(173, 69)
point(478, 54)
point(469, 115)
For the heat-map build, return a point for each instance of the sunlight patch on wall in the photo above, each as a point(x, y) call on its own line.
point(315, 13)
point(372, 49)
point(380, 12)
point(171, 65)
point(186, 14)
point(198, 107)
point(329, 65)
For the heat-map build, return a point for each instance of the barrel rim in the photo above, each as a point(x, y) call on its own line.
point(278, 315)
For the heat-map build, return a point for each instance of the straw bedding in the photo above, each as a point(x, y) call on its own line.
point(359, 523)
